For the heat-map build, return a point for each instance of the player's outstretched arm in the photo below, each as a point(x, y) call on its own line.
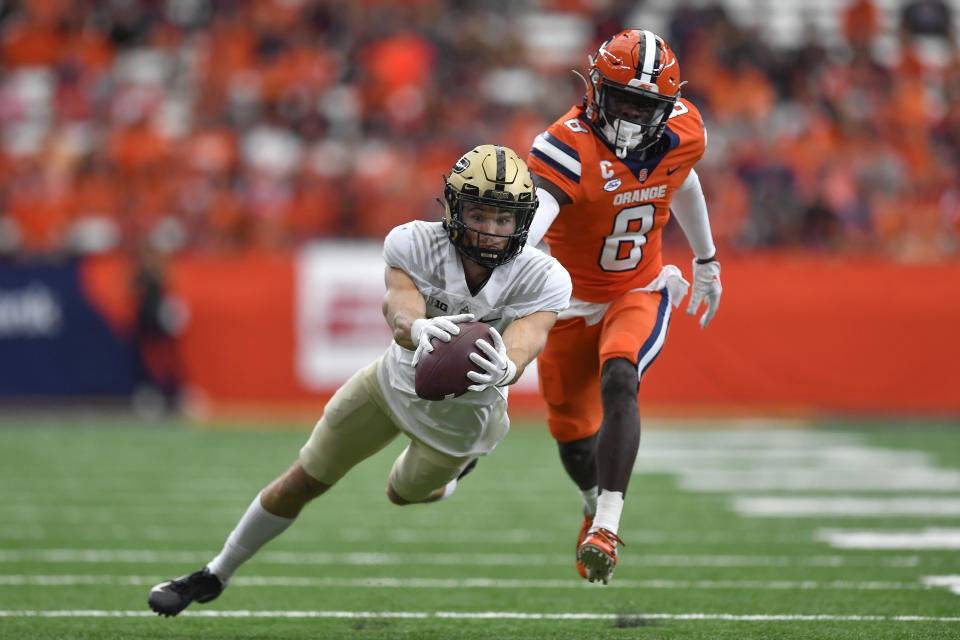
point(526, 337)
point(506, 357)
point(402, 305)
point(404, 308)
point(690, 209)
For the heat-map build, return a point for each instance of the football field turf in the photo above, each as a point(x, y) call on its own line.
point(841, 531)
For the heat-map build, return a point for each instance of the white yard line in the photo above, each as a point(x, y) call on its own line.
point(950, 582)
point(145, 533)
point(845, 506)
point(789, 461)
point(826, 478)
point(482, 615)
point(695, 457)
point(928, 538)
point(132, 556)
point(467, 583)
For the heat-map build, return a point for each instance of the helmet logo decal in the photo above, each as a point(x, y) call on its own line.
point(609, 57)
point(461, 165)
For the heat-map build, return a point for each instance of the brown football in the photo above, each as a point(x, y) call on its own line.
point(442, 373)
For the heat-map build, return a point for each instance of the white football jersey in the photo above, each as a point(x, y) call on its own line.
point(533, 281)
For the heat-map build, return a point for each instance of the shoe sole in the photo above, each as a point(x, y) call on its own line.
point(581, 570)
point(167, 598)
point(597, 562)
point(162, 611)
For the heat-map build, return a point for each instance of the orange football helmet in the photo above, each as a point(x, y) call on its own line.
point(633, 85)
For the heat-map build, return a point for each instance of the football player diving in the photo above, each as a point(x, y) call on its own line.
point(473, 264)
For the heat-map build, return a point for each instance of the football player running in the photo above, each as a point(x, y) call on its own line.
point(473, 264)
point(608, 174)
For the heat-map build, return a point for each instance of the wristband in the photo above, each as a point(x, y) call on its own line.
point(712, 258)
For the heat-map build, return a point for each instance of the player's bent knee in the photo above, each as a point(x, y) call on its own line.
point(619, 378)
point(395, 497)
point(296, 482)
point(578, 451)
point(288, 494)
point(400, 501)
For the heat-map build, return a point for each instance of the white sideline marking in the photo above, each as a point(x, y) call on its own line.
point(929, 538)
point(445, 559)
point(482, 615)
point(465, 583)
point(845, 506)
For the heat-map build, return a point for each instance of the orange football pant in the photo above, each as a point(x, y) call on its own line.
point(634, 327)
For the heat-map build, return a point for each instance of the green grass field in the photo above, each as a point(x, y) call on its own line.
point(840, 531)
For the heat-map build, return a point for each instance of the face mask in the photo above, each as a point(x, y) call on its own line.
point(623, 135)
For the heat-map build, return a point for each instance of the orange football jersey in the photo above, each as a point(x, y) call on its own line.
point(608, 237)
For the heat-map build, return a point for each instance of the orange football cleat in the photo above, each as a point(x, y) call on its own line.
point(584, 530)
point(598, 555)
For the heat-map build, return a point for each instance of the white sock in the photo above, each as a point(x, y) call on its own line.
point(609, 508)
point(589, 500)
point(256, 528)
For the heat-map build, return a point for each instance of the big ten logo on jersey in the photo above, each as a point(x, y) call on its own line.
point(640, 195)
point(440, 305)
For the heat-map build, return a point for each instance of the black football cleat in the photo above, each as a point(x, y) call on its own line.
point(467, 469)
point(171, 597)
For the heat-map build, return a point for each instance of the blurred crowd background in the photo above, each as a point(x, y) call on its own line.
point(237, 125)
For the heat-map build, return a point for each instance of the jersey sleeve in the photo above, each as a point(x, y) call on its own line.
point(555, 155)
point(404, 243)
point(688, 124)
point(543, 286)
point(558, 288)
point(394, 245)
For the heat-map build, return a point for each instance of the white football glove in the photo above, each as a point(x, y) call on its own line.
point(706, 288)
point(498, 369)
point(442, 328)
